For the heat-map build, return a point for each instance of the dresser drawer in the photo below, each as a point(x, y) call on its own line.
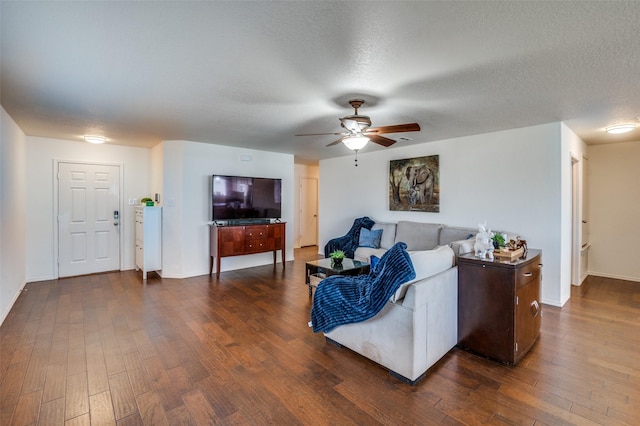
point(255, 233)
point(256, 245)
point(527, 273)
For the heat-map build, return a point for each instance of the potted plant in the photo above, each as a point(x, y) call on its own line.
point(498, 241)
point(336, 257)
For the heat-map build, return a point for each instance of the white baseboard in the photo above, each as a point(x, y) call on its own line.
point(615, 276)
point(13, 301)
point(553, 303)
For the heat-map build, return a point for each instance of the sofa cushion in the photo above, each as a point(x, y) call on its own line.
point(370, 238)
point(363, 254)
point(427, 263)
point(388, 234)
point(418, 236)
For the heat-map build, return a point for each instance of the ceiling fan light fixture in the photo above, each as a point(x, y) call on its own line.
point(95, 139)
point(620, 128)
point(355, 143)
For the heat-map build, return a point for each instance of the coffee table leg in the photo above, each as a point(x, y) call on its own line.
point(308, 277)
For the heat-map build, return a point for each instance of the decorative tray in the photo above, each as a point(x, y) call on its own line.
point(509, 254)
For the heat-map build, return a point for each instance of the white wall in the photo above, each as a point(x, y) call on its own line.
point(187, 169)
point(12, 213)
point(614, 209)
point(41, 154)
point(512, 179)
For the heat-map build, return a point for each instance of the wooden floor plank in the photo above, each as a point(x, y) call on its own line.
point(111, 349)
point(52, 413)
point(76, 396)
point(124, 402)
point(102, 409)
point(151, 409)
point(199, 408)
point(27, 409)
point(55, 382)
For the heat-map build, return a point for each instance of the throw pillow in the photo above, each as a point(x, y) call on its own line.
point(373, 260)
point(370, 238)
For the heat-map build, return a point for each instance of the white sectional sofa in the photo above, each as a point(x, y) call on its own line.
point(419, 324)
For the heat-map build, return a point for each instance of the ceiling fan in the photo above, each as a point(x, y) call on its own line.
point(358, 131)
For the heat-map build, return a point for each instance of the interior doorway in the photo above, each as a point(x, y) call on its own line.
point(308, 212)
point(88, 216)
point(579, 221)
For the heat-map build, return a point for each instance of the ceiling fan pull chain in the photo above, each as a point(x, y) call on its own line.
point(356, 158)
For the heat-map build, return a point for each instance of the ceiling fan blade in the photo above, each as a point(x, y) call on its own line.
point(319, 134)
point(398, 128)
point(335, 142)
point(381, 140)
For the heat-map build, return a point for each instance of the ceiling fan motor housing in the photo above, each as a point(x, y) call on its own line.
point(363, 121)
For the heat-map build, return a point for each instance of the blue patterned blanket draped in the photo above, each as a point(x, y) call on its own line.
point(348, 243)
point(343, 300)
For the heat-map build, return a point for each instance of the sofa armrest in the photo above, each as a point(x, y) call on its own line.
point(420, 292)
point(460, 247)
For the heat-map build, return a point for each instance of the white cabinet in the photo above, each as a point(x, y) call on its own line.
point(148, 239)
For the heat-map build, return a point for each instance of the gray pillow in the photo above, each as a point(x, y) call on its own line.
point(417, 235)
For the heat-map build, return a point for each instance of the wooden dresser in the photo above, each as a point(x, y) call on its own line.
point(499, 305)
point(236, 240)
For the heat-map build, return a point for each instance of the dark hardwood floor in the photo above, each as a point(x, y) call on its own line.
point(106, 349)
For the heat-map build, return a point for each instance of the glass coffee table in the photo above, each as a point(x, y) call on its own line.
point(316, 270)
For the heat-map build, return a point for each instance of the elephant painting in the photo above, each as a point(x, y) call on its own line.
point(419, 184)
point(414, 184)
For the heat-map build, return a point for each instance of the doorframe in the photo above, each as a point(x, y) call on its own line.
point(576, 219)
point(56, 184)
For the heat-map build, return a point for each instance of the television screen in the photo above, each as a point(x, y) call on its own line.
point(239, 198)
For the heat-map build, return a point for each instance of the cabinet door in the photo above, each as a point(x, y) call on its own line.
point(139, 230)
point(274, 236)
point(486, 310)
point(527, 317)
point(231, 240)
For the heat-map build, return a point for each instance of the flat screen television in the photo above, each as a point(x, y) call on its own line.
point(243, 199)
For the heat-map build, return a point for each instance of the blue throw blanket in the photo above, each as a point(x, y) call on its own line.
point(344, 300)
point(349, 242)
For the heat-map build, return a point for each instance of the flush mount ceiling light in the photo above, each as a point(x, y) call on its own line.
point(620, 128)
point(355, 143)
point(95, 139)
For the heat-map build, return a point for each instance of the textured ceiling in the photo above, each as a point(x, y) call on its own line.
point(254, 74)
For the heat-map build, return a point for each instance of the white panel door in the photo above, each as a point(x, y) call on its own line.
point(88, 225)
point(308, 212)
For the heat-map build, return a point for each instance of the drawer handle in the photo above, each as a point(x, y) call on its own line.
point(528, 274)
point(535, 308)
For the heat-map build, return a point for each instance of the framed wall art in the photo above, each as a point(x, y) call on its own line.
point(414, 184)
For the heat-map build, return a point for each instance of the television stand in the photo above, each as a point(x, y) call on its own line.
point(237, 240)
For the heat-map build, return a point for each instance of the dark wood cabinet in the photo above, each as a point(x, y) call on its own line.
point(499, 305)
point(245, 239)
